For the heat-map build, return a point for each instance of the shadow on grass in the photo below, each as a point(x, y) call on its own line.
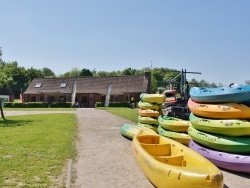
point(14, 123)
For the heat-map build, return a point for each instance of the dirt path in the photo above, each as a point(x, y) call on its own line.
point(105, 157)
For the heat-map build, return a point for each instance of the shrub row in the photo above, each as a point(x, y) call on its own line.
point(37, 105)
point(59, 104)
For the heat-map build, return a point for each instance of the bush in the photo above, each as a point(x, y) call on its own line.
point(37, 105)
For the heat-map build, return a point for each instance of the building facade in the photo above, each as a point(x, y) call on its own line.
point(87, 90)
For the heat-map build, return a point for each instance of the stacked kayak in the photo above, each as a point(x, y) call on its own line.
point(229, 161)
point(167, 163)
point(220, 111)
point(220, 127)
point(234, 93)
point(149, 109)
point(152, 98)
point(174, 128)
point(229, 127)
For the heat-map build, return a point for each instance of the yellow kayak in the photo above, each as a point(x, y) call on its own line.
point(173, 124)
point(148, 120)
point(147, 105)
point(153, 98)
point(167, 163)
point(183, 138)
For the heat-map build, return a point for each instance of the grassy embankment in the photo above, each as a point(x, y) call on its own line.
point(34, 149)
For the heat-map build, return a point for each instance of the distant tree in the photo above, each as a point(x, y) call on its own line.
point(85, 72)
point(48, 73)
point(34, 73)
point(127, 71)
point(1, 53)
point(75, 72)
point(204, 83)
point(102, 73)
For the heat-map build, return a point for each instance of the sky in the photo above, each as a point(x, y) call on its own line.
point(210, 37)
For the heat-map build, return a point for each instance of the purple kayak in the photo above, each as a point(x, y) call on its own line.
point(229, 161)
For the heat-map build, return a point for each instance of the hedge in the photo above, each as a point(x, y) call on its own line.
point(59, 104)
point(37, 105)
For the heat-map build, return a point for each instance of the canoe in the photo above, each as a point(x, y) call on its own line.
point(173, 124)
point(153, 98)
point(229, 161)
point(149, 113)
point(148, 120)
point(129, 130)
point(234, 93)
point(231, 144)
point(147, 105)
point(228, 127)
point(167, 163)
point(220, 111)
point(182, 138)
point(150, 126)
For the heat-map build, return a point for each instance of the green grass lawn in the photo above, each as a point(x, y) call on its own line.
point(127, 113)
point(34, 149)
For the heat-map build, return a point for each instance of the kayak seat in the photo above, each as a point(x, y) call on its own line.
point(176, 160)
point(158, 149)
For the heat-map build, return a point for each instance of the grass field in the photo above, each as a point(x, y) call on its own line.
point(127, 113)
point(34, 149)
point(39, 109)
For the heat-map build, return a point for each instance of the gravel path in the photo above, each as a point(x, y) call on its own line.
point(105, 157)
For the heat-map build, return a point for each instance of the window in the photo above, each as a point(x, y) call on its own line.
point(63, 85)
point(38, 85)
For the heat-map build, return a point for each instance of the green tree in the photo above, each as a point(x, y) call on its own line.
point(75, 72)
point(48, 73)
point(34, 73)
point(14, 77)
point(85, 72)
point(1, 53)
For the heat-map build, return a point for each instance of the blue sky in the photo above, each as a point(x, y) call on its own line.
point(211, 37)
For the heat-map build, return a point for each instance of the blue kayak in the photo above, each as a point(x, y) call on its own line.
point(234, 93)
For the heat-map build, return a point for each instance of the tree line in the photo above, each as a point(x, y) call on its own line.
point(18, 78)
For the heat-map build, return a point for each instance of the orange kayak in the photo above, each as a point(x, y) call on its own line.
point(221, 111)
point(149, 113)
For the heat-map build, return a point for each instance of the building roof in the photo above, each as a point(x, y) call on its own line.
point(120, 85)
point(50, 85)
